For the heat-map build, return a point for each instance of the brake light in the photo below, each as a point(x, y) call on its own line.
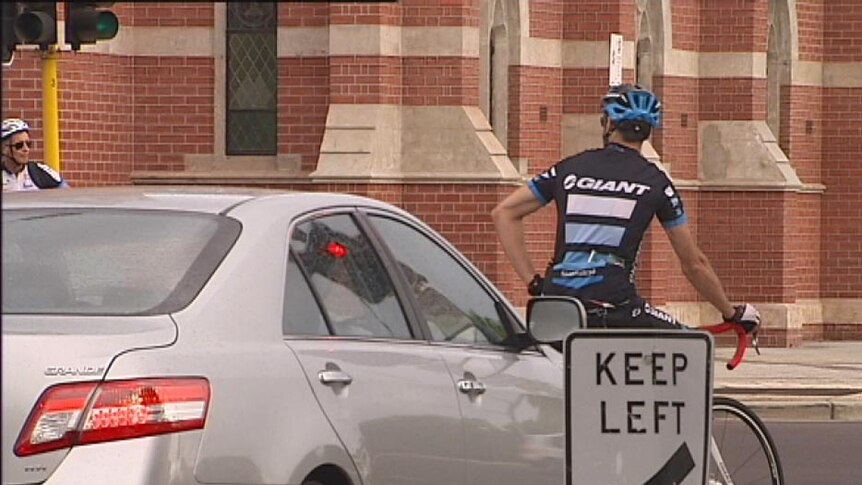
point(336, 250)
point(91, 412)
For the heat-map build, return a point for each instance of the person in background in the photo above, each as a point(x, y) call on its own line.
point(19, 173)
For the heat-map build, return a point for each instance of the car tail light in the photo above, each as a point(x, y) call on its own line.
point(91, 412)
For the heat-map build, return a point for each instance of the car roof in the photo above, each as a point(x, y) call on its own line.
point(208, 199)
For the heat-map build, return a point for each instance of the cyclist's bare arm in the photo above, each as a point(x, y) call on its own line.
point(508, 220)
point(697, 269)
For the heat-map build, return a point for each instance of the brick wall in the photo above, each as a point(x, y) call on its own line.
point(545, 19)
point(97, 114)
point(365, 79)
point(732, 99)
point(842, 32)
point(22, 96)
point(804, 246)
point(303, 14)
point(364, 14)
point(840, 167)
point(427, 13)
point(685, 18)
point(810, 18)
point(842, 201)
point(533, 91)
point(733, 26)
point(440, 81)
point(677, 140)
point(164, 14)
point(802, 122)
point(660, 276)
point(750, 264)
point(303, 102)
point(583, 89)
point(172, 119)
point(596, 20)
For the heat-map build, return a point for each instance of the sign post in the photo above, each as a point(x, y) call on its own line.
point(615, 61)
point(638, 407)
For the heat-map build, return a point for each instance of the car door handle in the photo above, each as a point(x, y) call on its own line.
point(334, 377)
point(470, 386)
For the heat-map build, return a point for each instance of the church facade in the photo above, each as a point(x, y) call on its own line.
point(442, 107)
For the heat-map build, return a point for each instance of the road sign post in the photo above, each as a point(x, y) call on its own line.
point(615, 60)
point(638, 407)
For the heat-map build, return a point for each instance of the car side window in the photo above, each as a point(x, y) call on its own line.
point(456, 307)
point(302, 315)
point(351, 282)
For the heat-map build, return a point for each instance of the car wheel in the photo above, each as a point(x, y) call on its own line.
point(312, 482)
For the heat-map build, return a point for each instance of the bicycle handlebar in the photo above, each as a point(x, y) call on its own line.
point(741, 339)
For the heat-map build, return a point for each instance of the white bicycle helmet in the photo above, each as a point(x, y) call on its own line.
point(12, 126)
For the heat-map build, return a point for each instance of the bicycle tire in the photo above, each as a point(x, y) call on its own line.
point(742, 447)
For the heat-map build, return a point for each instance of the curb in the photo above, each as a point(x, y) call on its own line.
point(801, 408)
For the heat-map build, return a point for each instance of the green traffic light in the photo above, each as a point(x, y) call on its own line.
point(107, 25)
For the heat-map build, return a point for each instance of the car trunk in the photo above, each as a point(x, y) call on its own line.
point(42, 351)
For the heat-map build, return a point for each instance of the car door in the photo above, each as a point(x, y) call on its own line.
point(512, 401)
point(388, 395)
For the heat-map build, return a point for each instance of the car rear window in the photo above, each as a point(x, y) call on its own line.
point(109, 261)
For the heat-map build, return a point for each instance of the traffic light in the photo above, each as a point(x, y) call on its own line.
point(36, 23)
point(10, 40)
point(88, 22)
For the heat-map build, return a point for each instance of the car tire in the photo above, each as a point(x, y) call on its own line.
point(312, 482)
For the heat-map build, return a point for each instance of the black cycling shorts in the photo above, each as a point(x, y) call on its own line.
point(635, 313)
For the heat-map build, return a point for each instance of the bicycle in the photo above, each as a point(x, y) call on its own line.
point(741, 449)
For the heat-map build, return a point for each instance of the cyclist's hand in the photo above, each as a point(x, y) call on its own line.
point(534, 288)
point(747, 316)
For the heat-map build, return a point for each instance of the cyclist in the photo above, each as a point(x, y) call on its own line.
point(19, 173)
point(606, 199)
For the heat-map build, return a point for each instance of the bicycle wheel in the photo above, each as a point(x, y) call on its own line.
point(742, 451)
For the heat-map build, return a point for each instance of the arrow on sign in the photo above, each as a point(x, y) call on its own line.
point(676, 469)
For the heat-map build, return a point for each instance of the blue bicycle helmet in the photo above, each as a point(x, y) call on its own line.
point(631, 102)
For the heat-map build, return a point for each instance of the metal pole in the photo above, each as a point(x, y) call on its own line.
point(50, 108)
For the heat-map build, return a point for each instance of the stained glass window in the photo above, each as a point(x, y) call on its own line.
point(252, 75)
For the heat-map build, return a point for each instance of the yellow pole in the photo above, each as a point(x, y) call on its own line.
point(50, 108)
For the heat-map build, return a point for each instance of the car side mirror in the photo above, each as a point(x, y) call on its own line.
point(550, 319)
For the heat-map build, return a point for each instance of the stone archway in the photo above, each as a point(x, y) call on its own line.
point(653, 28)
point(644, 68)
point(498, 81)
point(499, 30)
point(778, 68)
point(653, 34)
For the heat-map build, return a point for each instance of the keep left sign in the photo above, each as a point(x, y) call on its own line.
point(638, 407)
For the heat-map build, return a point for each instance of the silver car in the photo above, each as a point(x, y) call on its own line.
point(168, 335)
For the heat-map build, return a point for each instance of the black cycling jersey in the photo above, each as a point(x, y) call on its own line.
point(606, 199)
